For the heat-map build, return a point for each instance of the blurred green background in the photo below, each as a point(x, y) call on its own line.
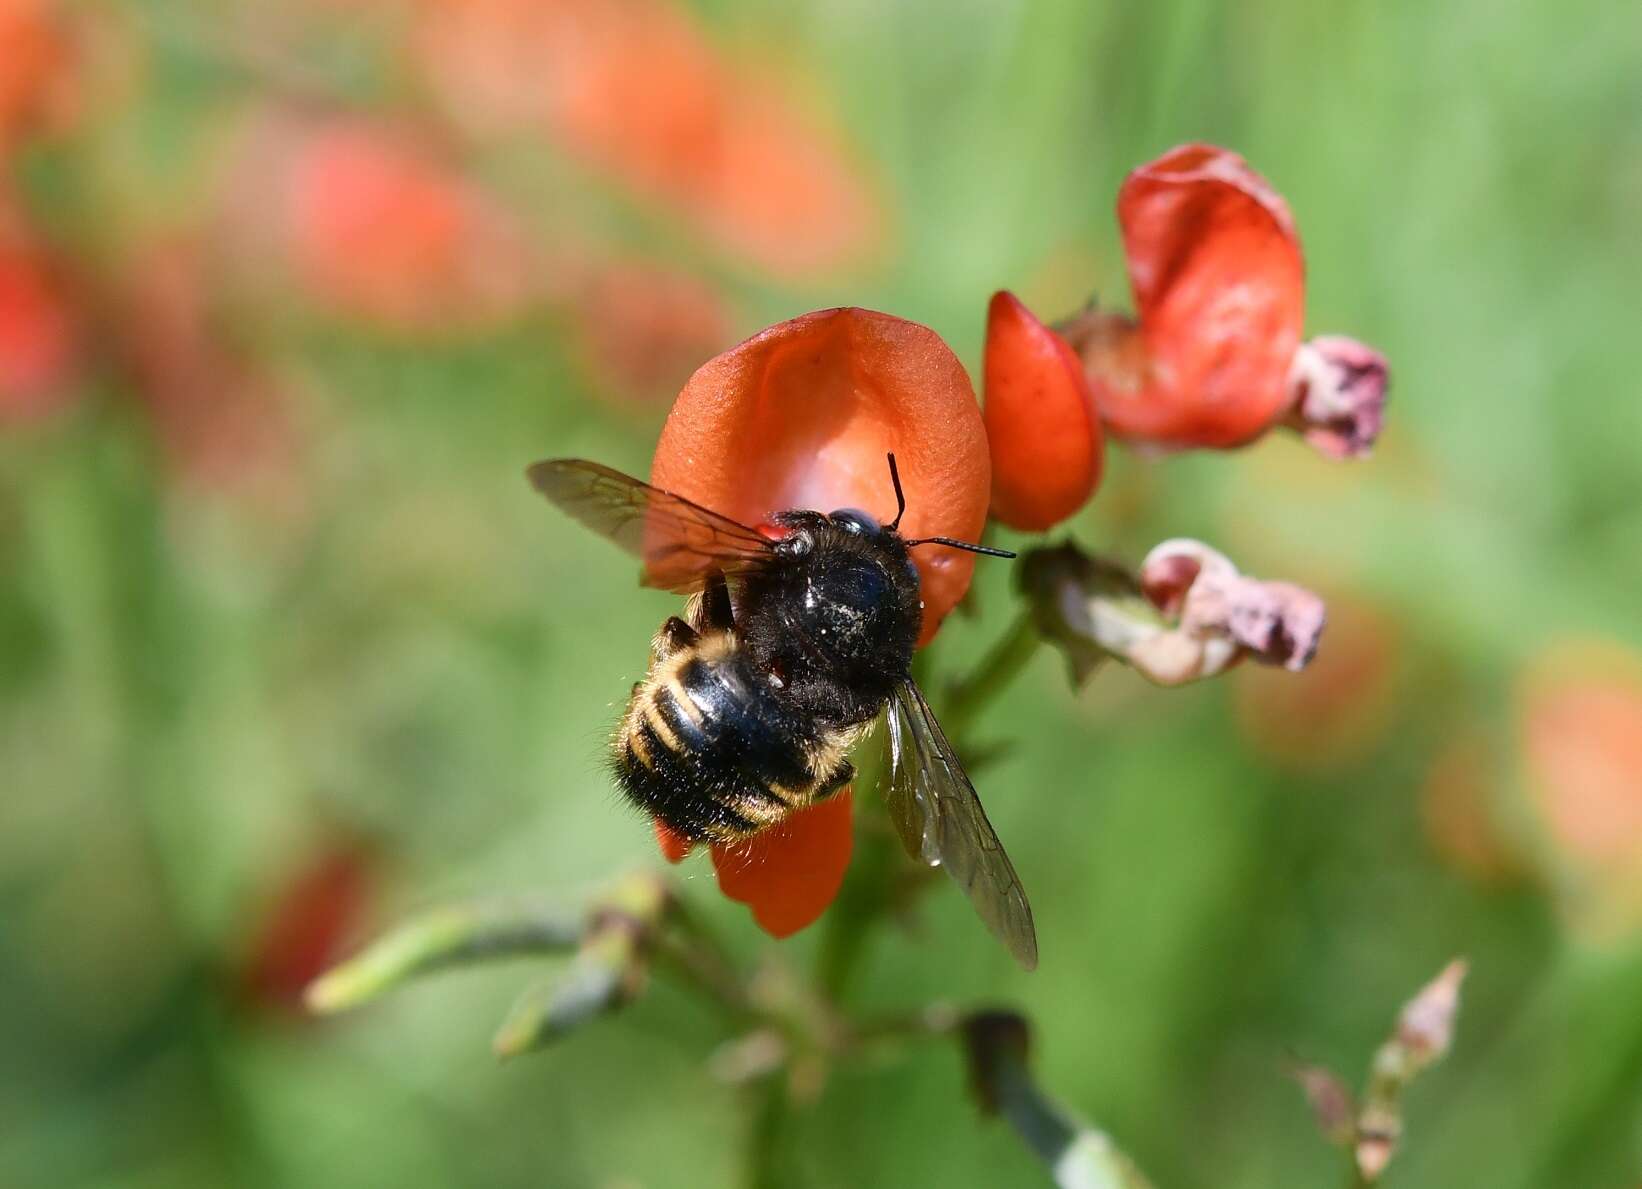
point(288, 649)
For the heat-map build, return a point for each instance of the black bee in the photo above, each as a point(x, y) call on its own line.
point(794, 643)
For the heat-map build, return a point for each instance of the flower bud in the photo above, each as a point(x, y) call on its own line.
point(1041, 427)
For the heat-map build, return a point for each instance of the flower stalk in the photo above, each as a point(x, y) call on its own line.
point(1077, 1156)
point(443, 938)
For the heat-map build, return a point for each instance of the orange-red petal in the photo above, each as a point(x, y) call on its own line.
point(1046, 441)
point(801, 416)
point(789, 873)
point(674, 846)
point(1219, 287)
point(37, 75)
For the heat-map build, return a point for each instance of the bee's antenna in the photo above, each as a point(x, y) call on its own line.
point(900, 496)
point(901, 510)
point(965, 545)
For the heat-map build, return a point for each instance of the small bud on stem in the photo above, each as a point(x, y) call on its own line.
point(1370, 1132)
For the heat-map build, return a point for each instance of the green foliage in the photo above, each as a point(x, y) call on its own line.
point(193, 692)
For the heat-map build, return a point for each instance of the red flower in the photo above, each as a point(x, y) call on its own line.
point(37, 332)
point(643, 327)
point(1219, 289)
point(374, 224)
point(636, 89)
point(1580, 730)
point(220, 413)
point(36, 62)
point(313, 913)
point(1041, 425)
point(801, 416)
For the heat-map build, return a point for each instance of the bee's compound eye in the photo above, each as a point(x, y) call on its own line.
point(854, 520)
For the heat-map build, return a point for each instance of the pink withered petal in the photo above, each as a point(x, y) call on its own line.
point(1338, 388)
point(1275, 623)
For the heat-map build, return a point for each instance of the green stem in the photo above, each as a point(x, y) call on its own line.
point(764, 1134)
point(703, 972)
point(967, 698)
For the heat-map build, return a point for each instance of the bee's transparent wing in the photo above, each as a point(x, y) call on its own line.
point(678, 541)
point(941, 822)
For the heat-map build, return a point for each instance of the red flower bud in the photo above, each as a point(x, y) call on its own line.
point(801, 416)
point(1046, 442)
point(1219, 286)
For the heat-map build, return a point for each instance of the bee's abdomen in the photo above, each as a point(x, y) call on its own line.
point(706, 747)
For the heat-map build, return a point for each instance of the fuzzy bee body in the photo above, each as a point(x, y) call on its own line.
point(748, 712)
point(800, 636)
point(709, 746)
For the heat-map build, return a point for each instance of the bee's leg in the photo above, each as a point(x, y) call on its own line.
point(674, 635)
point(714, 609)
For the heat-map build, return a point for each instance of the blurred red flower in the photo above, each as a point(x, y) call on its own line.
point(1460, 808)
point(1340, 709)
point(1041, 425)
point(1580, 724)
point(643, 327)
point(634, 88)
point(36, 58)
point(316, 909)
point(219, 414)
point(1219, 289)
point(38, 332)
point(375, 225)
point(801, 416)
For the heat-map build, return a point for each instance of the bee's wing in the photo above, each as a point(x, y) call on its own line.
point(679, 542)
point(941, 822)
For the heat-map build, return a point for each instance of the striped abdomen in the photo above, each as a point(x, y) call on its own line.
point(708, 746)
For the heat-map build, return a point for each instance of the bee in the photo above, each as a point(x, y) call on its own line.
point(795, 640)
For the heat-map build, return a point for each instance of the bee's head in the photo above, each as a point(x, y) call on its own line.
point(847, 603)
